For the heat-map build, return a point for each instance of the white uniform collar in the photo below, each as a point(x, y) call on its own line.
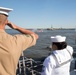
point(60, 54)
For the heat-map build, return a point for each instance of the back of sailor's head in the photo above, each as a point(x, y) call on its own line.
point(59, 42)
point(4, 13)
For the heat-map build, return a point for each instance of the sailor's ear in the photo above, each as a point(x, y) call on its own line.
point(54, 47)
point(6, 22)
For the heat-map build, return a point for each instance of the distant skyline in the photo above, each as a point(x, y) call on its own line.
point(42, 13)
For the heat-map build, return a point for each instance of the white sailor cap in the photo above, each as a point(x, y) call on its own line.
point(58, 38)
point(4, 10)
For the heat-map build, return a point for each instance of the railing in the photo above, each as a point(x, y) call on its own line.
point(28, 66)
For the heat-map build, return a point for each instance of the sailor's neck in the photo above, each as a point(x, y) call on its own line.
point(2, 27)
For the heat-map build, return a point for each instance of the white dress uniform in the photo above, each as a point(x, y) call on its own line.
point(58, 63)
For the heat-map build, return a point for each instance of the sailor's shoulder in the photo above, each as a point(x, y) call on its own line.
point(68, 46)
point(50, 59)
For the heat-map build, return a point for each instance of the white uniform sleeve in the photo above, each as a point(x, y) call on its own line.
point(48, 66)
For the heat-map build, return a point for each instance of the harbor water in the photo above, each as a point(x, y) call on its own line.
point(41, 47)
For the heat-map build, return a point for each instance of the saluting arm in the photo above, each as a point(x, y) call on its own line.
point(22, 30)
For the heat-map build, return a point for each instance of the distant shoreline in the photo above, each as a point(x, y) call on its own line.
point(48, 28)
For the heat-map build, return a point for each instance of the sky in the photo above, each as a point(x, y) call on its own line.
point(42, 13)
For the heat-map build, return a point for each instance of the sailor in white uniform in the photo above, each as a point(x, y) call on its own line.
point(58, 63)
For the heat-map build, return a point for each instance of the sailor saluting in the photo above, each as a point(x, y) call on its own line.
point(11, 46)
point(58, 63)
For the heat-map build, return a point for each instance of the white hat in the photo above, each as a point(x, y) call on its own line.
point(58, 38)
point(5, 10)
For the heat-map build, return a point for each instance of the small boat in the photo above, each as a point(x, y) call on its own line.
point(37, 30)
